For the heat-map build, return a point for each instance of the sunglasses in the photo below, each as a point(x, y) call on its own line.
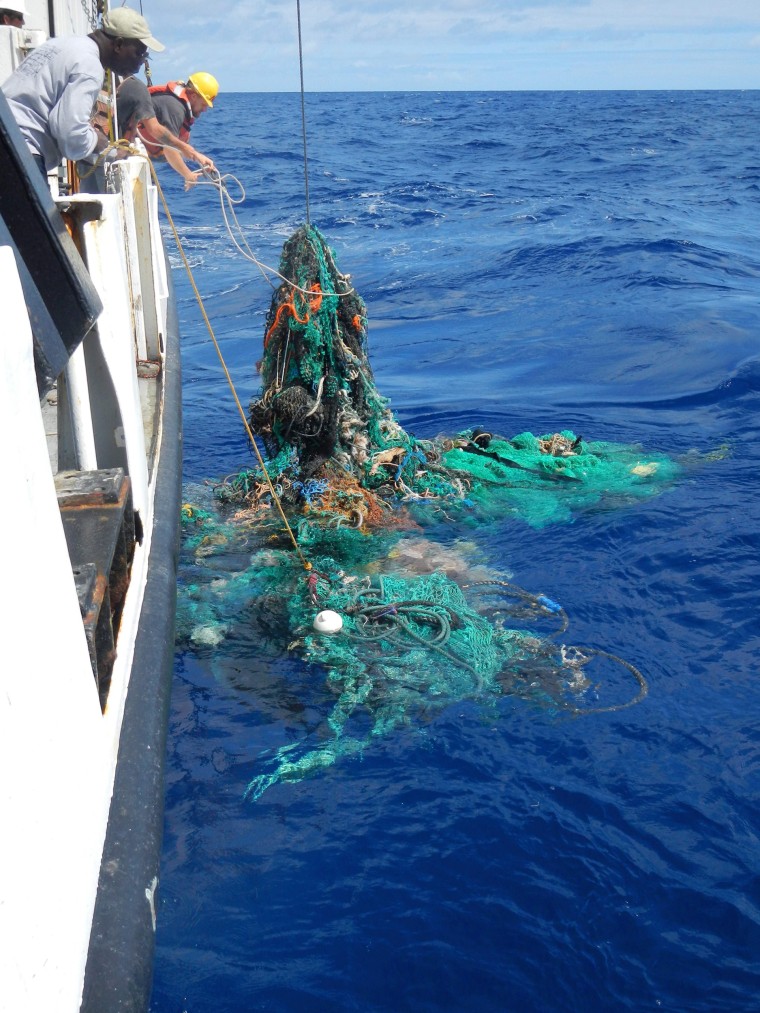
point(140, 48)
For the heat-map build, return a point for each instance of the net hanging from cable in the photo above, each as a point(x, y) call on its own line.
point(419, 629)
point(336, 448)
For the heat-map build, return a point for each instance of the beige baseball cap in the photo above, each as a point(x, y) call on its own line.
point(124, 23)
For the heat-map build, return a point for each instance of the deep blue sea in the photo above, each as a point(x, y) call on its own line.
point(529, 261)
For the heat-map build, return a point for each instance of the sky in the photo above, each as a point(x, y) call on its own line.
point(470, 45)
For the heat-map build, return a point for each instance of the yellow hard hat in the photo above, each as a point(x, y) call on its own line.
point(206, 85)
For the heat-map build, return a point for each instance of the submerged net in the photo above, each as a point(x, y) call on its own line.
point(418, 632)
point(411, 643)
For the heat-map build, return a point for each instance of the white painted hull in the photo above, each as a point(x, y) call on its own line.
point(62, 788)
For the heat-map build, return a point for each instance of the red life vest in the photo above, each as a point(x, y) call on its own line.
point(178, 89)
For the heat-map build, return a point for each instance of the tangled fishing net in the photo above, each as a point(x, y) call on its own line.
point(336, 449)
point(411, 643)
point(342, 468)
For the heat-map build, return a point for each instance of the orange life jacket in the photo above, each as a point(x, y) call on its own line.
point(178, 89)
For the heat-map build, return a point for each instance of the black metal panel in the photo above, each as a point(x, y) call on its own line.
point(99, 525)
point(62, 301)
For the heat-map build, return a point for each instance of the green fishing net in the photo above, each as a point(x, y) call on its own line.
point(409, 643)
point(336, 449)
point(365, 502)
point(547, 479)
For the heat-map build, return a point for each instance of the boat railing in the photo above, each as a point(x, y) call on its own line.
point(91, 277)
point(90, 494)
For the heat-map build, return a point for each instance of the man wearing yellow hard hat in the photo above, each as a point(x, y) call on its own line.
point(177, 105)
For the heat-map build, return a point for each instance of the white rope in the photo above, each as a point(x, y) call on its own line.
point(227, 204)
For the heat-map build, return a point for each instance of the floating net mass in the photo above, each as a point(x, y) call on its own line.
point(358, 488)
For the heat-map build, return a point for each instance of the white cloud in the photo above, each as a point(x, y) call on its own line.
point(252, 45)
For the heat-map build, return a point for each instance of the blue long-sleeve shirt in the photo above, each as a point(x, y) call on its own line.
point(52, 95)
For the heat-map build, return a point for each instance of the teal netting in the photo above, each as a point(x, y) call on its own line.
point(360, 493)
point(411, 643)
point(336, 449)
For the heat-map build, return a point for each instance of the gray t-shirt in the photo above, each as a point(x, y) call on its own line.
point(171, 111)
point(52, 95)
point(133, 103)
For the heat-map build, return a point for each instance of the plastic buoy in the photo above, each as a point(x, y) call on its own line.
point(328, 622)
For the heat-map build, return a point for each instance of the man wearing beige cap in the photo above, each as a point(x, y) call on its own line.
point(53, 92)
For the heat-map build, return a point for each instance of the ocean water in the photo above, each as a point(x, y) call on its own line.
point(529, 261)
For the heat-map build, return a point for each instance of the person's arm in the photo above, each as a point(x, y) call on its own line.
point(69, 121)
point(177, 163)
point(164, 136)
point(102, 140)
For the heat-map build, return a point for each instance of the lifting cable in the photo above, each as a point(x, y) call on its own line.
point(303, 116)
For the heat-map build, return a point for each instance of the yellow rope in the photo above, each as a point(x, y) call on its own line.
point(126, 146)
point(306, 564)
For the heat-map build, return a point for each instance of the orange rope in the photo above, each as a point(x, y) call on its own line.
point(283, 306)
point(290, 305)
